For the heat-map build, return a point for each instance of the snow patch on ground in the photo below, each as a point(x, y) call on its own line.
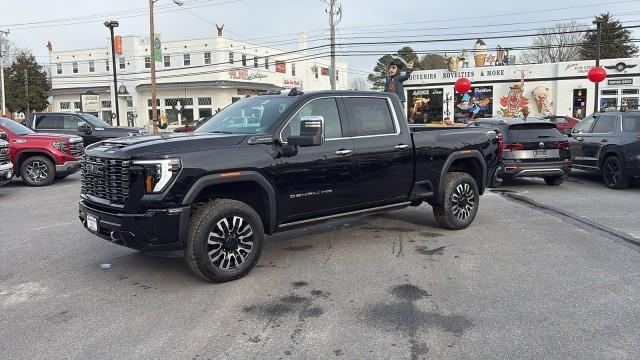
point(18, 294)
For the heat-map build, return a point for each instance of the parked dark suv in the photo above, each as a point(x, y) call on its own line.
point(608, 143)
point(531, 148)
point(87, 126)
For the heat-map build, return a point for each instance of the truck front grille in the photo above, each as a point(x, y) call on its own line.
point(4, 154)
point(106, 179)
point(77, 149)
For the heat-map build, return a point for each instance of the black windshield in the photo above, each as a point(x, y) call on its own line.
point(96, 122)
point(248, 116)
point(15, 128)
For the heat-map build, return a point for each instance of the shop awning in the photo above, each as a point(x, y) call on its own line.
point(221, 84)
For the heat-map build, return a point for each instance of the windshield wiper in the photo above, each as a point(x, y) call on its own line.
point(220, 132)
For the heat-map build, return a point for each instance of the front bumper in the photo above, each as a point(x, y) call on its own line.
point(534, 169)
point(154, 230)
point(69, 167)
point(6, 173)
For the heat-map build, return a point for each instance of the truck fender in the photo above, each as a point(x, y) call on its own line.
point(237, 176)
point(20, 156)
point(608, 151)
point(463, 154)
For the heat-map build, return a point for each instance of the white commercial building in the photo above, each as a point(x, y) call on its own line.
point(194, 77)
point(560, 89)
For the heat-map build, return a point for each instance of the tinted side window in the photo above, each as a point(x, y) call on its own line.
point(71, 122)
point(584, 125)
point(533, 132)
point(53, 122)
point(369, 116)
point(605, 124)
point(327, 108)
point(631, 123)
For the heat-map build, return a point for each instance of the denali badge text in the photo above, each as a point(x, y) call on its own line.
point(310, 193)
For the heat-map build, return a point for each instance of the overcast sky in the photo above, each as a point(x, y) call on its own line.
point(280, 20)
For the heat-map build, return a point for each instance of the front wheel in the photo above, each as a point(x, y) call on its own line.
point(460, 201)
point(612, 174)
point(225, 240)
point(38, 171)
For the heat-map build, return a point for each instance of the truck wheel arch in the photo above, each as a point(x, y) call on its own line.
point(608, 153)
point(473, 157)
point(25, 154)
point(212, 180)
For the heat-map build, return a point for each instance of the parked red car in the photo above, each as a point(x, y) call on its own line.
point(190, 127)
point(41, 158)
point(563, 122)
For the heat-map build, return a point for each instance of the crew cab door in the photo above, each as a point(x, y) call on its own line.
point(576, 141)
point(316, 180)
point(383, 151)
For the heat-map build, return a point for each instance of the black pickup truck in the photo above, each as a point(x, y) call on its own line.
point(275, 162)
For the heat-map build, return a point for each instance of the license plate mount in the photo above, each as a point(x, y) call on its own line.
point(540, 153)
point(92, 223)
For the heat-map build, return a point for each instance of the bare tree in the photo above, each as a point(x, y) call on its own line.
point(359, 83)
point(557, 43)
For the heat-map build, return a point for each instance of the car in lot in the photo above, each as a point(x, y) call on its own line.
point(563, 122)
point(39, 159)
point(608, 143)
point(305, 158)
point(530, 148)
point(191, 126)
point(6, 167)
point(87, 126)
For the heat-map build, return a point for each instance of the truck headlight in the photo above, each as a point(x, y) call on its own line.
point(61, 145)
point(158, 174)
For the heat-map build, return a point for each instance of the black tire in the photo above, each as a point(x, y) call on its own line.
point(554, 180)
point(612, 173)
point(38, 171)
point(460, 201)
point(208, 240)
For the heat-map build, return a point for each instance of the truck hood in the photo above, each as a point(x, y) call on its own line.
point(153, 146)
point(47, 136)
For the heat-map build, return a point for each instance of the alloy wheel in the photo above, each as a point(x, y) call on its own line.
point(463, 201)
point(37, 172)
point(230, 242)
point(612, 171)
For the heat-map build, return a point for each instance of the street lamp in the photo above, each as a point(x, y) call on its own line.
point(152, 43)
point(111, 25)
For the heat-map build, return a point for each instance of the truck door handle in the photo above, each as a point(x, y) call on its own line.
point(604, 140)
point(401, 147)
point(344, 152)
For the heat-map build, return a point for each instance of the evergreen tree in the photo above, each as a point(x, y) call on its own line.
point(380, 71)
point(616, 41)
point(14, 80)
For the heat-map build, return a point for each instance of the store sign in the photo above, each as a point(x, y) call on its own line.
point(453, 75)
point(243, 74)
point(613, 82)
point(90, 103)
point(157, 47)
point(324, 71)
point(281, 67)
point(117, 42)
point(291, 83)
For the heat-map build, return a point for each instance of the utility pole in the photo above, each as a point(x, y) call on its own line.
point(154, 94)
point(334, 11)
point(26, 90)
point(598, 22)
point(3, 108)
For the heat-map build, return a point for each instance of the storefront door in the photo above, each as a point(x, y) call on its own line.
point(579, 103)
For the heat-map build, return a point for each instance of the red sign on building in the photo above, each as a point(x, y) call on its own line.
point(281, 67)
point(324, 71)
point(118, 44)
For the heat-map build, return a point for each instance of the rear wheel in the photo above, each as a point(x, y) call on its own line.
point(225, 240)
point(554, 180)
point(38, 171)
point(612, 174)
point(460, 201)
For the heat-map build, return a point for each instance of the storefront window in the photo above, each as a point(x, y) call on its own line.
point(477, 103)
point(106, 116)
point(579, 103)
point(425, 106)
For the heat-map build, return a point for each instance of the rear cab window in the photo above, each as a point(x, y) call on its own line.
point(370, 116)
point(49, 122)
point(631, 123)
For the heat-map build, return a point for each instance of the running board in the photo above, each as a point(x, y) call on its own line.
point(369, 211)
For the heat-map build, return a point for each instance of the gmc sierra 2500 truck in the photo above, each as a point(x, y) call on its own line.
point(269, 163)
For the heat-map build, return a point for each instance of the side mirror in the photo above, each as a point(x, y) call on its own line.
point(84, 127)
point(4, 136)
point(567, 131)
point(311, 132)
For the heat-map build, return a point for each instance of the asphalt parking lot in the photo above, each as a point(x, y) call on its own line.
point(544, 272)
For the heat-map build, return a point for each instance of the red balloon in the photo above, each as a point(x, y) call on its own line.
point(462, 85)
point(597, 74)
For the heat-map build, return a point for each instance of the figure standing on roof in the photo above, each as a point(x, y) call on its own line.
point(395, 80)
